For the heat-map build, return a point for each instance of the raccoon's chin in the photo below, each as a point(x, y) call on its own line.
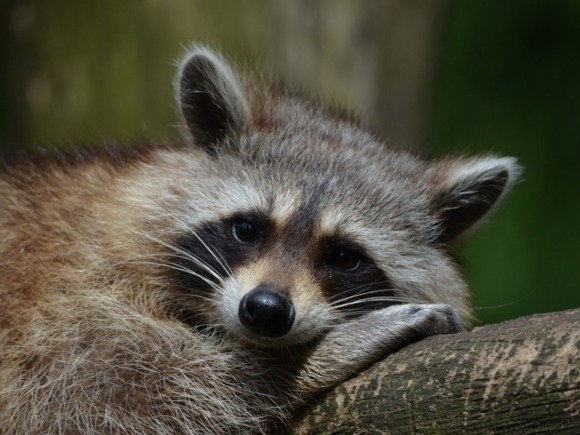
point(289, 340)
point(296, 337)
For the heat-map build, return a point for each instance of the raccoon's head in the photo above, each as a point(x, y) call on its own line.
point(305, 220)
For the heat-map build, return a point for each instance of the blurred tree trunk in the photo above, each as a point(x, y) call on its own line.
point(83, 71)
point(521, 376)
point(377, 57)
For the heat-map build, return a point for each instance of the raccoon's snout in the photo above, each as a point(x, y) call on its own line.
point(266, 313)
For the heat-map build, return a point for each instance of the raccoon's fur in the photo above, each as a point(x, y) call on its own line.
point(216, 285)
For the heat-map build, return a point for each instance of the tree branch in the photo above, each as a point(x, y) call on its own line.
point(520, 376)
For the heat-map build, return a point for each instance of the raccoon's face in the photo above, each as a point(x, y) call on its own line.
point(277, 280)
point(311, 220)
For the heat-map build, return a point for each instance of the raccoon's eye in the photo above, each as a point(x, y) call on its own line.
point(345, 259)
point(245, 231)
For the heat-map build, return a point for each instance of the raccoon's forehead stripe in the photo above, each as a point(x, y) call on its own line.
point(284, 206)
point(302, 222)
point(334, 220)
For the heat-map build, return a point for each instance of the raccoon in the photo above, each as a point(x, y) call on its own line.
point(219, 284)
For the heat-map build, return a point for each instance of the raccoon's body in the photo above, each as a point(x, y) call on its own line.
point(216, 285)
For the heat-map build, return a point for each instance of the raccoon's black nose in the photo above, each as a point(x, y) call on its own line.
point(266, 313)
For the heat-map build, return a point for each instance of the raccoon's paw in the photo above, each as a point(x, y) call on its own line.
point(403, 324)
point(383, 331)
point(431, 319)
point(354, 345)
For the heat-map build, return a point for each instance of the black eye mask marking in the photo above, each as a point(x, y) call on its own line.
point(214, 250)
point(351, 281)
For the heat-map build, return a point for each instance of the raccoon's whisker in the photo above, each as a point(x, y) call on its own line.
point(183, 254)
point(215, 254)
point(187, 228)
point(365, 300)
point(198, 262)
point(377, 301)
point(350, 302)
point(190, 272)
point(372, 296)
point(409, 299)
point(364, 288)
point(179, 268)
point(186, 255)
point(194, 260)
point(362, 292)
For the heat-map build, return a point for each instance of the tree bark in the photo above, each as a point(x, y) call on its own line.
point(521, 376)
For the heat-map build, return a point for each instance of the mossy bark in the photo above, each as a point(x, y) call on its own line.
point(521, 376)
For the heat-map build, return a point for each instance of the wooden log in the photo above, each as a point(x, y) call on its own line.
point(520, 376)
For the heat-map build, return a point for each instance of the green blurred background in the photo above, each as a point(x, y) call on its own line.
point(433, 76)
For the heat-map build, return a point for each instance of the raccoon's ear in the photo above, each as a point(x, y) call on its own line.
point(465, 190)
point(210, 98)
